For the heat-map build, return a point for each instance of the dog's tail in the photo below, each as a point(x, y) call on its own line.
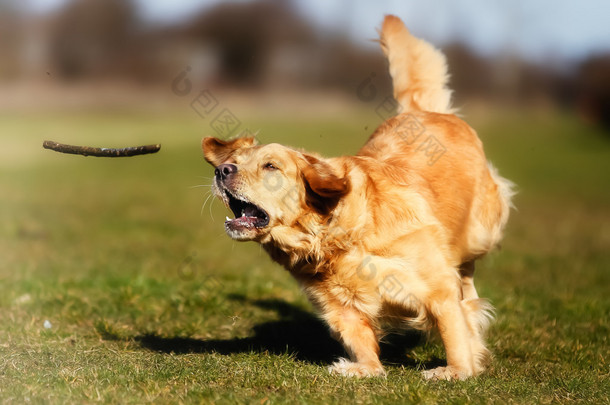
point(418, 70)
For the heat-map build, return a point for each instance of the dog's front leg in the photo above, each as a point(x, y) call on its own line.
point(357, 335)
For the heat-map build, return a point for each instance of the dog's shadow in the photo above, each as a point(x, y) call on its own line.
point(297, 332)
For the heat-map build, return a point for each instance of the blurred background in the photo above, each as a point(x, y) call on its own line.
point(532, 79)
point(58, 54)
point(110, 250)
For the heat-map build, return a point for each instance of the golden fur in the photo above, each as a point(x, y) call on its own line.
point(388, 236)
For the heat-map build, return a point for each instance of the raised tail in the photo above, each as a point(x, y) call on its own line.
point(418, 70)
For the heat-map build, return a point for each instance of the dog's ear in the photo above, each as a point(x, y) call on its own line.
point(323, 185)
point(216, 151)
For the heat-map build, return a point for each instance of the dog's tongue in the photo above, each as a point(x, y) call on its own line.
point(244, 220)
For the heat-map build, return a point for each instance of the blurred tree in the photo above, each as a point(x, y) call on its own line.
point(246, 35)
point(268, 43)
point(12, 33)
point(91, 37)
point(593, 98)
point(470, 74)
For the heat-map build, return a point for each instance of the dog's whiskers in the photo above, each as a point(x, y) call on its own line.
point(210, 194)
point(211, 203)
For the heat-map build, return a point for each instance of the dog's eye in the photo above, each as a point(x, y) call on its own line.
point(269, 166)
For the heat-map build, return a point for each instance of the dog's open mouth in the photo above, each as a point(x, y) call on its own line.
point(247, 215)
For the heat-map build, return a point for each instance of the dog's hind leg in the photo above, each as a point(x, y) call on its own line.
point(451, 320)
point(479, 314)
point(469, 292)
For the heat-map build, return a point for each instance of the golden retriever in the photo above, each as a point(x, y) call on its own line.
point(386, 237)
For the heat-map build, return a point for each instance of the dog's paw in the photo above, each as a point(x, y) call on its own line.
point(446, 373)
point(351, 369)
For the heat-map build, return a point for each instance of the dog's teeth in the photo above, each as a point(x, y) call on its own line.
point(227, 218)
point(243, 214)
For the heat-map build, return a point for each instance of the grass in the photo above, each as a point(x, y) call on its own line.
point(149, 301)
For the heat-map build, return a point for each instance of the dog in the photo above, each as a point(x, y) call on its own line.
point(387, 237)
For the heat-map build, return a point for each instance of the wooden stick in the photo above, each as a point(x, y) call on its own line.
point(101, 152)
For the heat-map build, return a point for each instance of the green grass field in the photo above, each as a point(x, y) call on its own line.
point(149, 301)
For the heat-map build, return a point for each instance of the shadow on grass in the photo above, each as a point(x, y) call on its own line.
point(297, 332)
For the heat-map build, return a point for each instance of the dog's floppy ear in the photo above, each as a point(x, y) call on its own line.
point(323, 185)
point(216, 151)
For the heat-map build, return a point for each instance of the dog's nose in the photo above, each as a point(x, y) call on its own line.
point(223, 171)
